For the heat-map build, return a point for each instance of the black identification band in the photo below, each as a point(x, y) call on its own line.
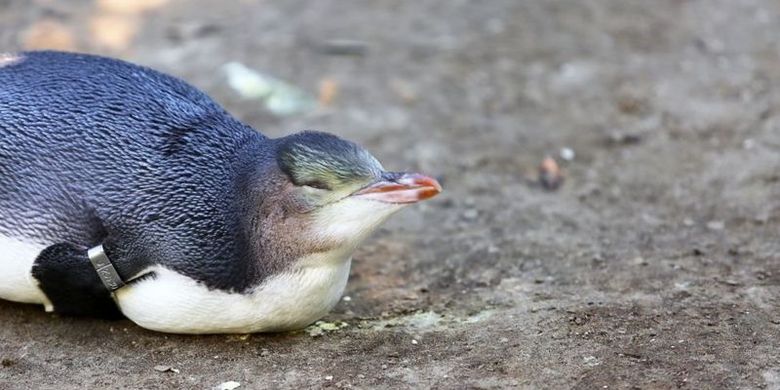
point(105, 270)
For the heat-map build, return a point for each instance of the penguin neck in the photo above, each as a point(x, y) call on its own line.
point(282, 242)
point(276, 238)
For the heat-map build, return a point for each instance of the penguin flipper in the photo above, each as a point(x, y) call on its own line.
point(71, 283)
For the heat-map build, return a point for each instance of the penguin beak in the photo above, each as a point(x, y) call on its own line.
point(400, 188)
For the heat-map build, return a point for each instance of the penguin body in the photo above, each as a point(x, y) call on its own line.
point(213, 226)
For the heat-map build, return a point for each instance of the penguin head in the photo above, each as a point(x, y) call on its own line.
point(341, 188)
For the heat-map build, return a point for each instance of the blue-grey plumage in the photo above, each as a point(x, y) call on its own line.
point(99, 151)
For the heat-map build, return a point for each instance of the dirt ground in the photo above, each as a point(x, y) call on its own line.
point(655, 265)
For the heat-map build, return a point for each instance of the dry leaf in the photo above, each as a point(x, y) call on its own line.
point(329, 89)
point(129, 7)
point(113, 31)
point(48, 34)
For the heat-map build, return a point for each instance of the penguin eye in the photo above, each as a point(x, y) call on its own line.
point(318, 184)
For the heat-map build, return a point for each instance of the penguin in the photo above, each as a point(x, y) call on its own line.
point(125, 192)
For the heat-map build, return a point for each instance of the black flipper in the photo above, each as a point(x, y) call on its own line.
point(71, 283)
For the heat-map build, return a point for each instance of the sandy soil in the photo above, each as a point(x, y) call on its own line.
point(655, 265)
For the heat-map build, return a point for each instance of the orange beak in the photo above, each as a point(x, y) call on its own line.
point(401, 188)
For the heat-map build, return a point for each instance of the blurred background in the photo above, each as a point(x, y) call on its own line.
point(642, 254)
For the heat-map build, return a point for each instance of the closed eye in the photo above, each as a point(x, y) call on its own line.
point(320, 185)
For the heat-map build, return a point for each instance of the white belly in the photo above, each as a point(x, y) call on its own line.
point(175, 303)
point(16, 281)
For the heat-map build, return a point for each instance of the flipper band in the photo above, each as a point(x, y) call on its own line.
point(105, 270)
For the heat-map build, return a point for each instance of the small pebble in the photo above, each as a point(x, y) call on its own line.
point(622, 138)
point(166, 369)
point(567, 154)
point(230, 385)
point(411, 297)
point(414, 341)
point(347, 299)
point(329, 378)
point(550, 175)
